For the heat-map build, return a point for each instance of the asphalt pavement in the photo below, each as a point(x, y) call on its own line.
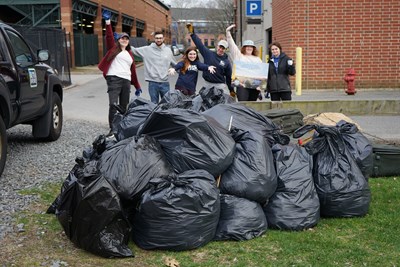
point(384, 128)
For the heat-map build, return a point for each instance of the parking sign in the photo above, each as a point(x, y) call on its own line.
point(253, 8)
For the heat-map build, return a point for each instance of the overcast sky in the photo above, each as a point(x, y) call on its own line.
point(171, 2)
point(168, 2)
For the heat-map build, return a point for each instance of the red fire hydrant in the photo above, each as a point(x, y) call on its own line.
point(349, 78)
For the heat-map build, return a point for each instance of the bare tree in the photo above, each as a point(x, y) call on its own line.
point(189, 3)
point(216, 14)
point(222, 14)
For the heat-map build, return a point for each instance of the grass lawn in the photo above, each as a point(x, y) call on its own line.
point(373, 240)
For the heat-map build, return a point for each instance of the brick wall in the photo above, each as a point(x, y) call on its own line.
point(337, 35)
point(155, 16)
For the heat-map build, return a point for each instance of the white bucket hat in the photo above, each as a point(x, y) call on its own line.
point(248, 43)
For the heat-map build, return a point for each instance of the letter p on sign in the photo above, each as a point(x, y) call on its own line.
point(253, 8)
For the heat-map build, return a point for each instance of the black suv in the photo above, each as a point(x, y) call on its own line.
point(30, 90)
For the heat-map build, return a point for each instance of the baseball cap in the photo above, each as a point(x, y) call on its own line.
point(124, 34)
point(248, 43)
point(223, 43)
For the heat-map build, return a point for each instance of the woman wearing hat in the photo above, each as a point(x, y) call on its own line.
point(248, 53)
point(119, 69)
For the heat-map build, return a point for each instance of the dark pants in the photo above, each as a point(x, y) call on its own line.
point(246, 94)
point(284, 96)
point(118, 91)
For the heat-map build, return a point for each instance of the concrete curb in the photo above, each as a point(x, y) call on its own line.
point(348, 107)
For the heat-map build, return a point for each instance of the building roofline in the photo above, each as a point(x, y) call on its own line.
point(163, 5)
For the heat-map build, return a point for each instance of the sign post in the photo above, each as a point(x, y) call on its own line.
point(253, 8)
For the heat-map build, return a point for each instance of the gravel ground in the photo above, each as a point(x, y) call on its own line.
point(31, 163)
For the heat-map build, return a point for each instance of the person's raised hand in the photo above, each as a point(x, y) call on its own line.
point(106, 14)
point(230, 27)
point(211, 69)
point(190, 28)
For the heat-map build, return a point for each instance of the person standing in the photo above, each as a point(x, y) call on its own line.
point(248, 53)
point(222, 78)
point(188, 69)
point(119, 70)
point(280, 67)
point(157, 58)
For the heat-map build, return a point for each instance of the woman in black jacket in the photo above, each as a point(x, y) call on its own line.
point(280, 67)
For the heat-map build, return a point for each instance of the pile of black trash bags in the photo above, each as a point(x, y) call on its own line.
point(191, 170)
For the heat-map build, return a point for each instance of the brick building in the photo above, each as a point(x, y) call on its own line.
point(337, 35)
point(82, 21)
point(334, 36)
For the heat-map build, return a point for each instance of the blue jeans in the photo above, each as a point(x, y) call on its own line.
point(157, 90)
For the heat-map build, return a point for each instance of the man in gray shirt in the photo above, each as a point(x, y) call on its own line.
point(157, 58)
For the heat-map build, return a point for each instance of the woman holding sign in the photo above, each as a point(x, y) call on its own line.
point(248, 53)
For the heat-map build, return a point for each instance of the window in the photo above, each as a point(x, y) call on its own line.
point(22, 53)
point(212, 42)
point(206, 42)
point(189, 41)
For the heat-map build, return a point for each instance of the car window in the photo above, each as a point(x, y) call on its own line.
point(22, 53)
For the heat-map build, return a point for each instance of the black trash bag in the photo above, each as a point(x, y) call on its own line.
point(252, 174)
point(342, 189)
point(244, 118)
point(85, 170)
point(139, 101)
point(240, 219)
point(86, 166)
point(209, 97)
point(190, 141)
point(99, 145)
point(359, 146)
point(295, 204)
point(128, 124)
point(92, 217)
point(67, 184)
point(131, 163)
point(175, 99)
point(178, 212)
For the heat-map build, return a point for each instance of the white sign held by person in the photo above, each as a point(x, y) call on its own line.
point(250, 75)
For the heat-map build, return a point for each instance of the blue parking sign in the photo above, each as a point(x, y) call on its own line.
point(253, 8)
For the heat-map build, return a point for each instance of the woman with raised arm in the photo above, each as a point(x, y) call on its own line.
point(247, 53)
point(188, 68)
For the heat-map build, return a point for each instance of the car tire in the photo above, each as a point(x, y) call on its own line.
point(3, 145)
point(56, 122)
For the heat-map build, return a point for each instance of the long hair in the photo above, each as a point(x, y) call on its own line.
point(254, 53)
point(186, 60)
point(116, 50)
